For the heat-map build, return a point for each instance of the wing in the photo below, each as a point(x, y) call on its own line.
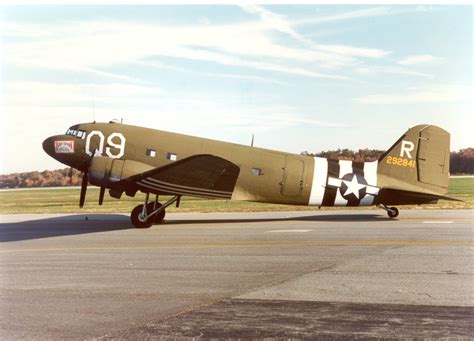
point(200, 175)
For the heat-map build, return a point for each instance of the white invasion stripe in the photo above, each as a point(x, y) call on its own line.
point(334, 182)
point(437, 222)
point(372, 190)
point(345, 167)
point(319, 181)
point(288, 231)
point(370, 175)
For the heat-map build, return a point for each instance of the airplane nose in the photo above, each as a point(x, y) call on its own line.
point(48, 146)
point(65, 149)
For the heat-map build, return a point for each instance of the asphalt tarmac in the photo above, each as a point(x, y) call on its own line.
point(238, 275)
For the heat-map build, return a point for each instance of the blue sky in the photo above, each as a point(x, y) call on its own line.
point(308, 77)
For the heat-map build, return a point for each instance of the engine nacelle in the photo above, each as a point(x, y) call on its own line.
point(107, 172)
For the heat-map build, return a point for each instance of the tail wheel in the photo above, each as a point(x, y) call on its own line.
point(393, 212)
point(137, 220)
point(158, 218)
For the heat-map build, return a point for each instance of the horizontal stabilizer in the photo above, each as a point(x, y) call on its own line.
point(392, 196)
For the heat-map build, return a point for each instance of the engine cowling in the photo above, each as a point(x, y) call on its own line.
point(107, 172)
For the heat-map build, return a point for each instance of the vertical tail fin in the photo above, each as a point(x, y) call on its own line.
point(420, 157)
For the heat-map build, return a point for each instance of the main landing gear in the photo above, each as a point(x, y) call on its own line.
point(149, 213)
point(392, 212)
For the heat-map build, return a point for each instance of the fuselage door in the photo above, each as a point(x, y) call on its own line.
point(293, 175)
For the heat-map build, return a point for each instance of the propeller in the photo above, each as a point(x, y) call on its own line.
point(70, 176)
point(85, 180)
point(101, 195)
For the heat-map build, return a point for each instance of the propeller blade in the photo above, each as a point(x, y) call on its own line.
point(85, 180)
point(101, 196)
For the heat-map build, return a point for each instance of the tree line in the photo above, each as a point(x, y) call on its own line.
point(462, 162)
point(47, 178)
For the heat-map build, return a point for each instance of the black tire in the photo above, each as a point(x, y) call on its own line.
point(393, 212)
point(158, 218)
point(135, 219)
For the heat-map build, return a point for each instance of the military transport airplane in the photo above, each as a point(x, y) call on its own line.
point(127, 159)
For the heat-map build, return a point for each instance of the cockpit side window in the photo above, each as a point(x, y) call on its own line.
point(81, 134)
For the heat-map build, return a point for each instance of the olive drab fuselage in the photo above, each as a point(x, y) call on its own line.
point(414, 170)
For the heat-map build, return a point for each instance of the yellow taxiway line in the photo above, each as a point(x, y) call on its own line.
point(259, 244)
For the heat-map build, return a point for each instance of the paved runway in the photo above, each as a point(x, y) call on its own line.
point(273, 274)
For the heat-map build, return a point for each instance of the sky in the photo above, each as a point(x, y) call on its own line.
point(301, 78)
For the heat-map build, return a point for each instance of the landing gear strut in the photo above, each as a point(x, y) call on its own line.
point(392, 212)
point(149, 213)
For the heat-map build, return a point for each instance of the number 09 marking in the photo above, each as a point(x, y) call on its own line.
point(120, 146)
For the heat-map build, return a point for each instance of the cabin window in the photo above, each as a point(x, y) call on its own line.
point(151, 152)
point(172, 156)
point(81, 134)
point(257, 171)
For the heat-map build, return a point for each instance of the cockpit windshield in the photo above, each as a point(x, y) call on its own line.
point(80, 134)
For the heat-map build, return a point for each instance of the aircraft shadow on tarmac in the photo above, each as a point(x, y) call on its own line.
point(315, 218)
point(92, 223)
point(63, 226)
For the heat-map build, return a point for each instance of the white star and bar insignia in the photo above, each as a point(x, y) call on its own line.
point(353, 186)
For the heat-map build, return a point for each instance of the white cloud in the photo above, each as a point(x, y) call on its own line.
point(420, 59)
point(362, 13)
point(160, 65)
point(353, 51)
point(281, 24)
point(272, 21)
point(389, 69)
point(446, 93)
point(90, 46)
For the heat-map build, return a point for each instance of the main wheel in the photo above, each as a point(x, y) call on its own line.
point(136, 219)
point(393, 212)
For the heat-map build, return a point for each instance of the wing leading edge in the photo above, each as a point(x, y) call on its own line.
point(202, 175)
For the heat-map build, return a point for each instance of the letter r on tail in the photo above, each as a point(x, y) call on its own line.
point(407, 148)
